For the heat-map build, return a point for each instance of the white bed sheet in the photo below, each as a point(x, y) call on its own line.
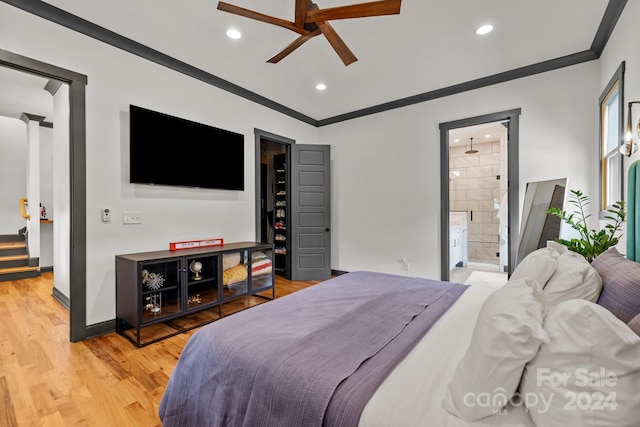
point(412, 395)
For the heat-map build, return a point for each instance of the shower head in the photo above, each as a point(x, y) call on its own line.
point(471, 150)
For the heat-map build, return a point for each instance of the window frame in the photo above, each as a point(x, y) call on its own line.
point(616, 84)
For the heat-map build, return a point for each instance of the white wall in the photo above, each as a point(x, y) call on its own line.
point(622, 46)
point(115, 80)
point(46, 195)
point(33, 187)
point(386, 167)
point(61, 192)
point(13, 182)
point(13, 179)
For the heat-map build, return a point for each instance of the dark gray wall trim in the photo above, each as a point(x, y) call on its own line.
point(22, 63)
point(530, 70)
point(45, 124)
point(261, 135)
point(99, 329)
point(52, 86)
point(338, 272)
point(73, 22)
point(61, 298)
point(608, 23)
point(27, 117)
point(78, 200)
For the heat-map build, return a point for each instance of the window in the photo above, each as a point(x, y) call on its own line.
point(611, 131)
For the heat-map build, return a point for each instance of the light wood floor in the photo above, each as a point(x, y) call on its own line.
point(47, 381)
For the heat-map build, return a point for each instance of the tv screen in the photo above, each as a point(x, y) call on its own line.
point(168, 150)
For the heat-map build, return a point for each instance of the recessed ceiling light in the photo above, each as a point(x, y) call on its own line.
point(487, 136)
point(234, 34)
point(321, 86)
point(456, 140)
point(484, 29)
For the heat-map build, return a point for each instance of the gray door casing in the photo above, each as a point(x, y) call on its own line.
point(511, 117)
point(77, 176)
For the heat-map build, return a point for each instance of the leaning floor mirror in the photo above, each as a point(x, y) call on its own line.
point(537, 227)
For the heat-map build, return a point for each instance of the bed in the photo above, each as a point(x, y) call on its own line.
point(372, 349)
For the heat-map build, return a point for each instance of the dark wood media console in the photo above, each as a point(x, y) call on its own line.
point(164, 293)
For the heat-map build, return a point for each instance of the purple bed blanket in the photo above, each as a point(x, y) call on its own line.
point(312, 358)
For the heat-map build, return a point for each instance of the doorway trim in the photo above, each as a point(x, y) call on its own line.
point(511, 117)
point(77, 181)
point(259, 135)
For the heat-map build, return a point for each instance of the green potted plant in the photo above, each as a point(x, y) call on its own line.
point(591, 242)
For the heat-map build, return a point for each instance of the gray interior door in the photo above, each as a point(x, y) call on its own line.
point(310, 212)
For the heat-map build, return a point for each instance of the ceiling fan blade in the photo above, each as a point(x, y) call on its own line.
point(336, 42)
point(301, 12)
point(237, 10)
point(293, 46)
point(361, 10)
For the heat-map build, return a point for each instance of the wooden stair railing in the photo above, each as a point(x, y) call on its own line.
point(24, 208)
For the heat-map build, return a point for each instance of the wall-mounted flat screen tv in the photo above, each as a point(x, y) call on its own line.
point(168, 150)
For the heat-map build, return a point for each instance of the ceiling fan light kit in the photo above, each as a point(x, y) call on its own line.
point(311, 21)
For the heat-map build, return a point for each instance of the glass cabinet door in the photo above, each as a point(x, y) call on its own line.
point(261, 269)
point(202, 281)
point(160, 284)
point(235, 274)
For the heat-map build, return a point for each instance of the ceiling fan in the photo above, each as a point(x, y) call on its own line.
point(311, 21)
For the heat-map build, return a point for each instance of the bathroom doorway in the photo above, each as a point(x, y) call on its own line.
point(479, 194)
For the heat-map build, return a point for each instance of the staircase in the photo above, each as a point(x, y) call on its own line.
point(14, 259)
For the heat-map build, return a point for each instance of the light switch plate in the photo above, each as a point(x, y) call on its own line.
point(132, 217)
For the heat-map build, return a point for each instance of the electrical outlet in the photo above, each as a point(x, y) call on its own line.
point(132, 217)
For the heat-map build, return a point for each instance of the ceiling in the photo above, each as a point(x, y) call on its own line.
point(429, 46)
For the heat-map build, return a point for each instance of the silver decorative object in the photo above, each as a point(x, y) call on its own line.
point(154, 281)
point(196, 267)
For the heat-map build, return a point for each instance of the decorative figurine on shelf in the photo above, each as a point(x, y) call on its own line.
point(154, 281)
point(194, 300)
point(154, 303)
point(196, 267)
point(43, 212)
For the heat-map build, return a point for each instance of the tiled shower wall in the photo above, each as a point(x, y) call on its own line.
point(475, 187)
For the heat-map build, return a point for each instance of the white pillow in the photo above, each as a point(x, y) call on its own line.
point(507, 335)
point(574, 278)
point(588, 374)
point(539, 265)
point(230, 259)
point(634, 324)
point(558, 247)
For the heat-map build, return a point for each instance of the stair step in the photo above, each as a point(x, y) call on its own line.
point(17, 270)
point(13, 257)
point(12, 245)
point(13, 248)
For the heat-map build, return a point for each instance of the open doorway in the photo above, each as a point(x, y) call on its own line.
point(479, 195)
point(478, 200)
point(293, 204)
point(74, 258)
point(274, 203)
